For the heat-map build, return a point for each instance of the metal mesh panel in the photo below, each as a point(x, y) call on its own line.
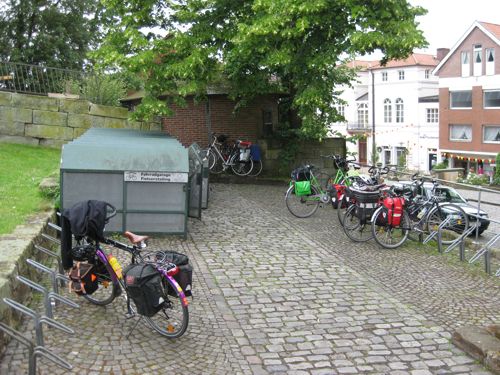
point(115, 224)
point(81, 186)
point(156, 196)
point(164, 223)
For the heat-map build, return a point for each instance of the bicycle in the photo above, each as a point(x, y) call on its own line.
point(318, 191)
point(222, 156)
point(419, 215)
point(172, 318)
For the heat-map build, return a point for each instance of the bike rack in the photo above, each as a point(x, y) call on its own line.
point(53, 255)
point(51, 239)
point(34, 351)
point(38, 320)
point(54, 275)
point(485, 250)
point(54, 226)
point(437, 232)
point(49, 297)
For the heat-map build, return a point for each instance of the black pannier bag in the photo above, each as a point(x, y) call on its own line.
point(143, 284)
point(185, 275)
point(301, 174)
point(366, 203)
point(83, 279)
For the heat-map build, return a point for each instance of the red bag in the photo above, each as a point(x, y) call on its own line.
point(395, 210)
point(340, 192)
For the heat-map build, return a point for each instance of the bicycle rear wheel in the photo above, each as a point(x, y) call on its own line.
point(302, 206)
point(173, 319)
point(457, 224)
point(241, 167)
point(356, 229)
point(342, 208)
point(256, 169)
point(107, 290)
point(387, 235)
point(215, 163)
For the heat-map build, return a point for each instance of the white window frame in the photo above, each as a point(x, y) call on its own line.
point(400, 111)
point(490, 65)
point(384, 76)
point(477, 65)
point(432, 115)
point(401, 74)
point(465, 61)
point(362, 114)
point(456, 92)
point(485, 92)
point(427, 73)
point(387, 111)
point(498, 133)
point(466, 128)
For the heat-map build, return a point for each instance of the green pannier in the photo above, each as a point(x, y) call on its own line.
point(302, 188)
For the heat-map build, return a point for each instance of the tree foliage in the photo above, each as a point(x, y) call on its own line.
point(256, 47)
point(56, 33)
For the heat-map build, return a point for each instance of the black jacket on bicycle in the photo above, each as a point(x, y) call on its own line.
point(84, 219)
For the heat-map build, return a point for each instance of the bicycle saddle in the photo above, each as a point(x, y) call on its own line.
point(134, 238)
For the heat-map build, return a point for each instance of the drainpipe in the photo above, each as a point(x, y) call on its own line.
point(374, 147)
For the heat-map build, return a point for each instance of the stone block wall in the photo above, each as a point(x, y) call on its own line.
point(41, 120)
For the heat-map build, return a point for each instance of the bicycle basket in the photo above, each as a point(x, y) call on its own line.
point(83, 252)
point(365, 196)
point(301, 174)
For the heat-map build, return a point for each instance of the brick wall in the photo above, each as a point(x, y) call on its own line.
point(190, 124)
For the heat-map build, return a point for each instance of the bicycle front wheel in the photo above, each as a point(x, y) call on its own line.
point(241, 167)
point(457, 222)
point(302, 206)
point(215, 163)
point(172, 320)
point(107, 290)
point(357, 229)
point(388, 235)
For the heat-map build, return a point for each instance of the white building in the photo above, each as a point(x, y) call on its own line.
point(400, 101)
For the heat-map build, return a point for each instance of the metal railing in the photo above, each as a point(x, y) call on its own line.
point(34, 79)
point(358, 126)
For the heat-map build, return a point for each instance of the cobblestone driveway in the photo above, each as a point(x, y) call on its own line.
point(276, 294)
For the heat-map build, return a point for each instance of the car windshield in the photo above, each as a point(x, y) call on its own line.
point(447, 194)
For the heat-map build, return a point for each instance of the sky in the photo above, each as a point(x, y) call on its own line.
point(448, 20)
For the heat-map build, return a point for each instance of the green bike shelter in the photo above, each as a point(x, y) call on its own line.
point(143, 174)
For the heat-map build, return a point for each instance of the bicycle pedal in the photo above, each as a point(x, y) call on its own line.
point(129, 315)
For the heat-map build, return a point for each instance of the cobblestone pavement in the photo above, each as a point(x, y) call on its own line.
point(280, 295)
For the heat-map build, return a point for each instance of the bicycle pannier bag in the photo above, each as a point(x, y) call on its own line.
point(83, 279)
point(302, 188)
point(395, 210)
point(143, 284)
point(185, 276)
point(339, 196)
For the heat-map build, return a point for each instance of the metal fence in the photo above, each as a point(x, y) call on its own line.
point(34, 79)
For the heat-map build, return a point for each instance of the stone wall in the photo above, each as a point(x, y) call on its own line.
point(41, 120)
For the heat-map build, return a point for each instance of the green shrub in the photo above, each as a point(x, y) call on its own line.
point(442, 165)
point(475, 179)
point(99, 89)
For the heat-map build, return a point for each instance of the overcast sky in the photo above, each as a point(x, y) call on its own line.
point(447, 20)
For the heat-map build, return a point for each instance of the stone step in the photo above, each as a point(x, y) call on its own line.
point(480, 343)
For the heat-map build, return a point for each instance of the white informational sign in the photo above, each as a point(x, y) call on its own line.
point(155, 177)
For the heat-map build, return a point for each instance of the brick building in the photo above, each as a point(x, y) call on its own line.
point(469, 99)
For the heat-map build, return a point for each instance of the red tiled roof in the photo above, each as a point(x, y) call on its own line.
point(362, 64)
point(412, 60)
point(492, 28)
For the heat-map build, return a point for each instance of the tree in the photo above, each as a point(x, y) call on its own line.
point(256, 47)
point(48, 32)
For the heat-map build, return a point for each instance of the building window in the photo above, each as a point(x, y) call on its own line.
point(384, 76)
point(478, 60)
point(341, 111)
point(465, 64)
point(427, 73)
point(461, 133)
point(267, 122)
point(461, 99)
point(432, 115)
point(400, 110)
point(490, 61)
point(401, 74)
point(491, 134)
point(492, 99)
point(387, 111)
point(363, 114)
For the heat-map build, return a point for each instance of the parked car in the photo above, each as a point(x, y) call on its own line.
point(451, 195)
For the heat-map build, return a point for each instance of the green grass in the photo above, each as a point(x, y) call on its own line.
point(22, 169)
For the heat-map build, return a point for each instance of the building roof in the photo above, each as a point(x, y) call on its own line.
point(490, 29)
point(429, 99)
point(361, 64)
point(414, 59)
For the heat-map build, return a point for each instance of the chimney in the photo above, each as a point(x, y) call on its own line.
point(441, 53)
